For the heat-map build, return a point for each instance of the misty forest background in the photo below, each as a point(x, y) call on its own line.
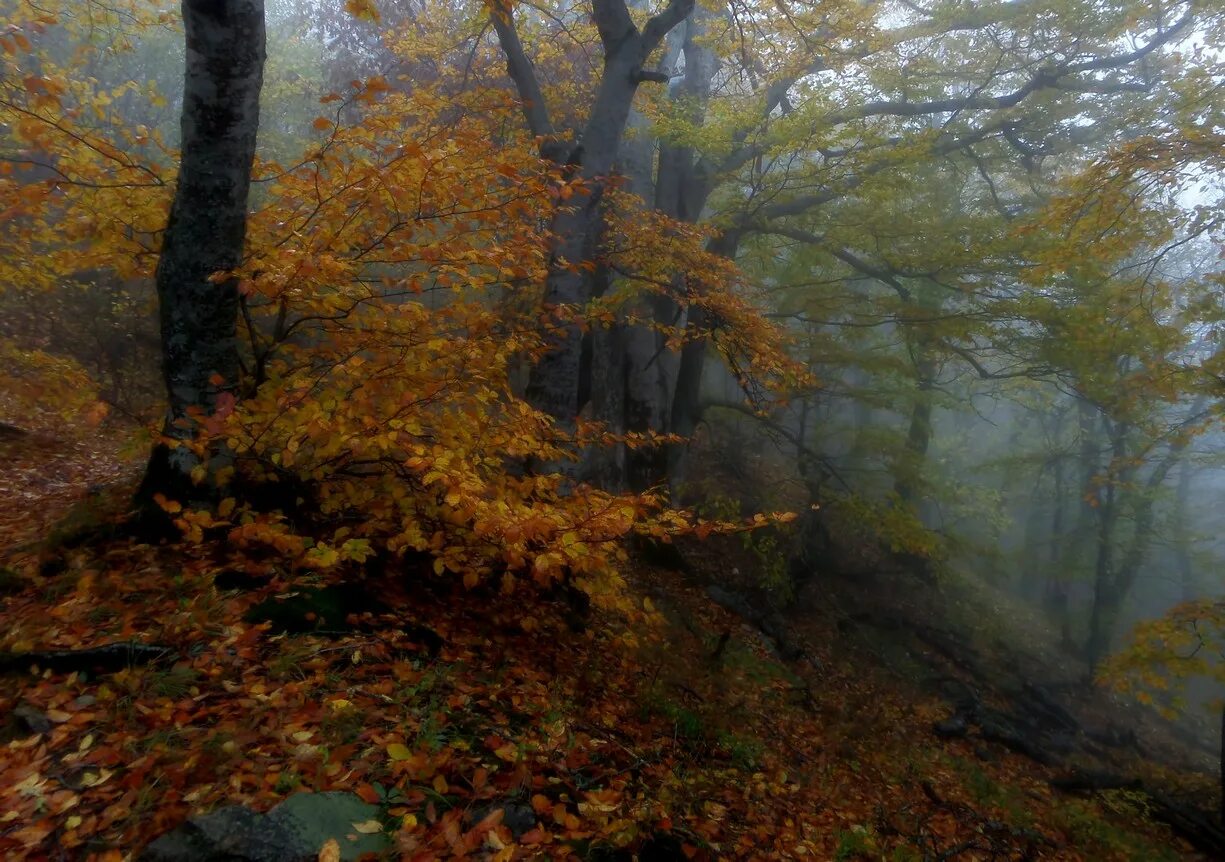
point(883, 329)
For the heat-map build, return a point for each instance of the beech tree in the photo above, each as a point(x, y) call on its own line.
point(590, 153)
point(777, 122)
point(203, 241)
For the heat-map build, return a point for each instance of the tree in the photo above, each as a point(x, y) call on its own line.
point(203, 241)
point(590, 155)
point(780, 120)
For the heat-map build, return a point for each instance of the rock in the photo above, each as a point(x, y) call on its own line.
point(317, 817)
point(231, 833)
point(997, 727)
point(293, 831)
point(519, 819)
point(953, 727)
point(963, 698)
point(24, 721)
point(1113, 736)
point(663, 554)
point(985, 754)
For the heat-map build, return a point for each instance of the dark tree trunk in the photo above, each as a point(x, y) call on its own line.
point(1055, 599)
point(1114, 582)
point(1106, 597)
point(205, 234)
point(908, 481)
point(686, 400)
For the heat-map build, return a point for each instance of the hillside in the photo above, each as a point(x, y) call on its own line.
point(463, 723)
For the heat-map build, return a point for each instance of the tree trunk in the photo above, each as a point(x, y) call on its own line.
point(686, 400)
point(908, 480)
point(1122, 578)
point(1106, 597)
point(1183, 537)
point(632, 394)
point(554, 384)
point(205, 235)
point(1055, 598)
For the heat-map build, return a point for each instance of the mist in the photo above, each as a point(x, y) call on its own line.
point(664, 369)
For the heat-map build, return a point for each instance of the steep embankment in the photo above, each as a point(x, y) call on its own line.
point(462, 722)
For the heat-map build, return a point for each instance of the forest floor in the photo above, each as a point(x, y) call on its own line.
point(483, 727)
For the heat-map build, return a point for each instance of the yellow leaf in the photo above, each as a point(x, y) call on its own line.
point(370, 827)
point(363, 9)
point(330, 851)
point(398, 751)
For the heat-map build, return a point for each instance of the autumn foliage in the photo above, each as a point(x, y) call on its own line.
point(389, 299)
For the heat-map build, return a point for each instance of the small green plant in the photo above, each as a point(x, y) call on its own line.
point(745, 752)
point(287, 782)
point(1105, 833)
point(687, 724)
point(857, 843)
point(768, 545)
point(173, 683)
point(288, 663)
point(342, 727)
point(433, 733)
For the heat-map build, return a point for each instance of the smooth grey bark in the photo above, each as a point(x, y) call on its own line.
point(654, 376)
point(205, 232)
point(553, 386)
point(616, 371)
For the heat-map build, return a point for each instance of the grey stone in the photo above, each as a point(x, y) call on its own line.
point(316, 817)
point(953, 727)
point(519, 819)
point(294, 831)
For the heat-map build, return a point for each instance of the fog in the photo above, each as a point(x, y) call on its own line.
point(946, 280)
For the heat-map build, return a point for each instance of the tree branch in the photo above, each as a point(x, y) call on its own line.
point(660, 25)
point(519, 68)
point(1046, 77)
